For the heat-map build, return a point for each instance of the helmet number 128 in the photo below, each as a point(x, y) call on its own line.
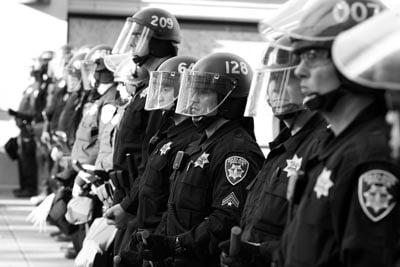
point(234, 67)
point(162, 22)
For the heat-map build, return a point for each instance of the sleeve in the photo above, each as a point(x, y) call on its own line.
point(371, 226)
point(229, 193)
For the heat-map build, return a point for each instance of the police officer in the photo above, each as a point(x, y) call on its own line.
point(379, 72)
point(86, 145)
point(30, 121)
point(210, 176)
point(152, 38)
point(154, 184)
point(265, 212)
point(176, 132)
point(347, 214)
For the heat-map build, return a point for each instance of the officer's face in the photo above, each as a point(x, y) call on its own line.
point(166, 97)
point(203, 102)
point(316, 72)
point(284, 90)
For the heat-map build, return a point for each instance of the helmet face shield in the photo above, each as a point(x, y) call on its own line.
point(374, 63)
point(318, 20)
point(122, 37)
point(135, 40)
point(163, 90)
point(198, 93)
point(283, 92)
point(276, 83)
point(89, 65)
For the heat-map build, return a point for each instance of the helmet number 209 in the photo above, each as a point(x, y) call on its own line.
point(162, 22)
point(357, 11)
point(234, 67)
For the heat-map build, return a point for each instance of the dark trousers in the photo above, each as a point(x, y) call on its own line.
point(27, 165)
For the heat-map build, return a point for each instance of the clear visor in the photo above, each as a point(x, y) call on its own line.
point(198, 93)
point(163, 90)
point(317, 20)
point(112, 62)
point(275, 83)
point(123, 36)
point(136, 40)
point(369, 54)
point(88, 70)
point(73, 82)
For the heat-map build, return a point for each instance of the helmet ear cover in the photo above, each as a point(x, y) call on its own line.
point(162, 48)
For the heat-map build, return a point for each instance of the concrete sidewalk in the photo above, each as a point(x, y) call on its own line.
point(20, 244)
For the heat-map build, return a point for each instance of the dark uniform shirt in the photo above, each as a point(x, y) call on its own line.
point(134, 130)
point(265, 213)
point(133, 134)
point(209, 190)
point(154, 184)
point(348, 212)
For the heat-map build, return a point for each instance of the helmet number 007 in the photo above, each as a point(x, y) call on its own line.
point(357, 11)
point(162, 22)
point(234, 67)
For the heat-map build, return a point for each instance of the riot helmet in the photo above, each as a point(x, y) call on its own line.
point(275, 83)
point(164, 83)
point(217, 85)
point(313, 25)
point(369, 55)
point(150, 31)
point(89, 65)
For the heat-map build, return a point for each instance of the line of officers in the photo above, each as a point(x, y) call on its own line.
point(176, 163)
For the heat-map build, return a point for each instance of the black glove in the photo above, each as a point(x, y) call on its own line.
point(247, 256)
point(127, 258)
point(157, 247)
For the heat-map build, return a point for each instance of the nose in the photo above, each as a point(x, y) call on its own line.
point(301, 70)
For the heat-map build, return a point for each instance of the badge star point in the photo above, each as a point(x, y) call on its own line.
point(323, 184)
point(293, 165)
point(202, 160)
point(165, 148)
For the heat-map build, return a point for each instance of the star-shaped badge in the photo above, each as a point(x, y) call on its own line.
point(202, 160)
point(235, 171)
point(293, 165)
point(165, 148)
point(323, 184)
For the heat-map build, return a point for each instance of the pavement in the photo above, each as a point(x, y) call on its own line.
point(21, 245)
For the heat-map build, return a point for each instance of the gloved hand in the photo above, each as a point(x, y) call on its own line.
point(39, 215)
point(105, 194)
point(157, 247)
point(12, 112)
point(247, 255)
point(117, 216)
point(87, 254)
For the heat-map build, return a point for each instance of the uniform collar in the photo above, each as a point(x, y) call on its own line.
point(371, 116)
point(174, 130)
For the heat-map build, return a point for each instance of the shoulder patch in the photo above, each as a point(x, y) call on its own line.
point(236, 169)
point(230, 200)
point(376, 193)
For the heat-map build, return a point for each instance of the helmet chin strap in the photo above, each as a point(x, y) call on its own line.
point(140, 60)
point(325, 102)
